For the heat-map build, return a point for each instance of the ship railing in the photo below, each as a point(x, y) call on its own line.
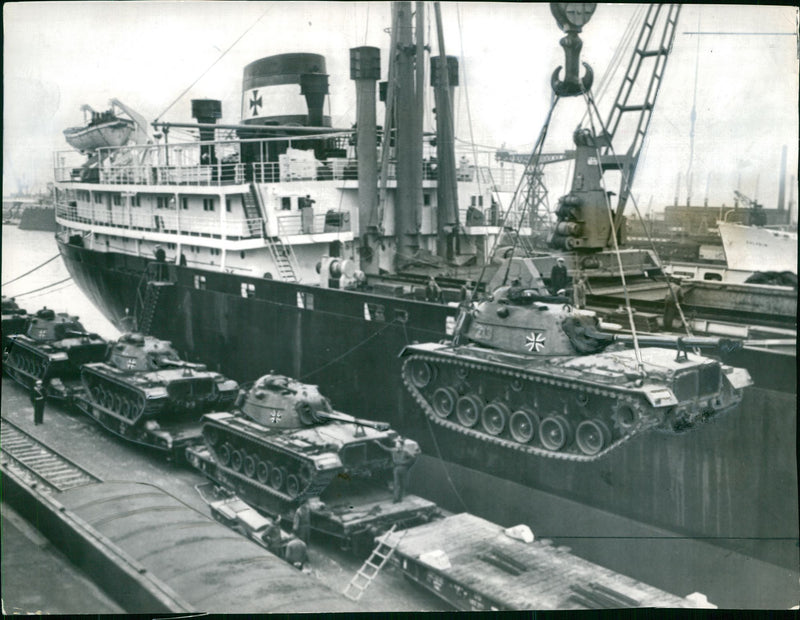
point(310, 224)
point(160, 221)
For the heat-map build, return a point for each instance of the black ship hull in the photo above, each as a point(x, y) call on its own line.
point(731, 482)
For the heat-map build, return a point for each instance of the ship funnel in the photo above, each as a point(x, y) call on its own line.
point(206, 112)
point(270, 95)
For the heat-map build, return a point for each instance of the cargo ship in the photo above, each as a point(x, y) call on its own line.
point(284, 244)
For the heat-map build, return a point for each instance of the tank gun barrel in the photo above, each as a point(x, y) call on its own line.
point(180, 364)
point(724, 345)
point(343, 417)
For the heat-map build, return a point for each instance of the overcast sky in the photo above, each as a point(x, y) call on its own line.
point(60, 55)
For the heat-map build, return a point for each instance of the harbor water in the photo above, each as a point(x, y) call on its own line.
point(51, 286)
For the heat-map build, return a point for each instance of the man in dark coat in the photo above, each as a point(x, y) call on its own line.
point(558, 276)
point(37, 399)
point(302, 522)
point(432, 291)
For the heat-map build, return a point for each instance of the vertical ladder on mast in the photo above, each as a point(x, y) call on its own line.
point(372, 566)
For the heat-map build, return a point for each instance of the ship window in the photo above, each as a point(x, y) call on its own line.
point(426, 199)
point(185, 203)
point(136, 200)
point(286, 203)
point(170, 246)
point(374, 312)
point(117, 199)
point(248, 289)
point(401, 316)
point(162, 202)
point(199, 282)
point(305, 300)
point(208, 204)
point(713, 277)
point(242, 254)
point(98, 197)
point(215, 251)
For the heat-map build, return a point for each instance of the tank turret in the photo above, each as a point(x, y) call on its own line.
point(285, 443)
point(53, 347)
point(538, 375)
point(146, 393)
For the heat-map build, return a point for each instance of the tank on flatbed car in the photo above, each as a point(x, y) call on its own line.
point(52, 349)
point(530, 372)
point(287, 443)
point(147, 394)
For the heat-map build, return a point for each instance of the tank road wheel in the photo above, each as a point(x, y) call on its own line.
point(468, 410)
point(523, 425)
point(125, 409)
point(117, 403)
point(250, 466)
point(109, 401)
point(225, 454)
point(262, 472)
point(592, 436)
point(237, 460)
point(305, 474)
point(421, 373)
point(97, 395)
point(494, 417)
point(276, 477)
point(292, 486)
point(212, 436)
point(625, 417)
point(555, 432)
point(444, 401)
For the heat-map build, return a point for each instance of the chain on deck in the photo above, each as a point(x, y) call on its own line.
point(40, 461)
point(643, 423)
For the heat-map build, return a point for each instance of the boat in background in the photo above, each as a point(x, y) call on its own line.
point(756, 248)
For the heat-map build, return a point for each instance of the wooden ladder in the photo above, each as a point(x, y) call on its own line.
point(372, 566)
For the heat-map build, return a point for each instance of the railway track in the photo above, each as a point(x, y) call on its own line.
point(39, 462)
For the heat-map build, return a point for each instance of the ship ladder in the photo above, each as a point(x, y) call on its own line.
point(372, 566)
point(253, 212)
point(149, 305)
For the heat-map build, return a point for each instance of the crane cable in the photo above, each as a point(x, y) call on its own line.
point(537, 151)
point(657, 258)
point(637, 352)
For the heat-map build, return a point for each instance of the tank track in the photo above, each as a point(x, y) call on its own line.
point(26, 365)
point(642, 422)
point(261, 474)
point(125, 404)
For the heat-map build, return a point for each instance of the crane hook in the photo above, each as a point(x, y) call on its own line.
point(572, 87)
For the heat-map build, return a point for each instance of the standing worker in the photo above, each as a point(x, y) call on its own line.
point(432, 291)
point(296, 553)
point(37, 399)
point(558, 276)
point(402, 459)
point(579, 289)
point(672, 299)
point(302, 522)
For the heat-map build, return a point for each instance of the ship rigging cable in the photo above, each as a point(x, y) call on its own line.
point(41, 288)
point(39, 266)
point(220, 57)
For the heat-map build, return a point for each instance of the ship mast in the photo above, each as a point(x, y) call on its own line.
point(409, 160)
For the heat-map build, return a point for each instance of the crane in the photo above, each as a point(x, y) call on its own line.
point(583, 222)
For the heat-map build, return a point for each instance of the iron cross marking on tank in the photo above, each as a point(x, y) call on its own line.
point(131, 363)
point(535, 341)
point(275, 416)
point(255, 102)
